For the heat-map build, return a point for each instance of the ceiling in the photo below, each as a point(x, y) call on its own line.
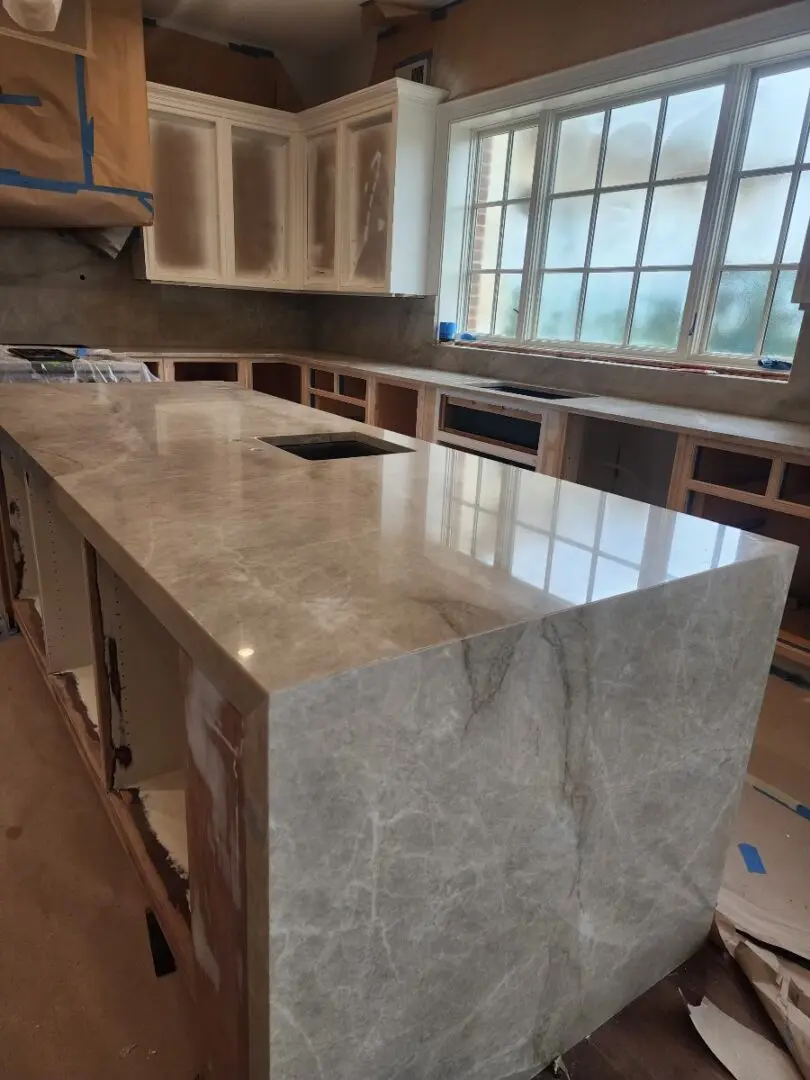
point(315, 27)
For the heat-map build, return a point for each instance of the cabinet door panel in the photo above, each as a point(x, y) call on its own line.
point(260, 201)
point(184, 241)
point(321, 206)
point(370, 146)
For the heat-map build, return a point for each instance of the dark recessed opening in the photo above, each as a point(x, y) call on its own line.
point(333, 447)
point(525, 391)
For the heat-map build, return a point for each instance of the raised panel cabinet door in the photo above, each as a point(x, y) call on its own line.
point(261, 207)
point(370, 155)
point(321, 243)
point(184, 242)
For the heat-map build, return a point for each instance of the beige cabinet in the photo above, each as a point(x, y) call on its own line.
point(224, 192)
point(321, 152)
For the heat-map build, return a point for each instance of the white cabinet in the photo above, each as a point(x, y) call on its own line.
point(369, 177)
point(224, 192)
point(335, 199)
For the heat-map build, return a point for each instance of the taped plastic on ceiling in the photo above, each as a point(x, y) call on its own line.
point(40, 16)
point(20, 363)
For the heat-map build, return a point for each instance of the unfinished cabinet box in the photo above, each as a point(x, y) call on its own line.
point(379, 143)
point(223, 192)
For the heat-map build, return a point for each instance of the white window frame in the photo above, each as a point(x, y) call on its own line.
point(732, 51)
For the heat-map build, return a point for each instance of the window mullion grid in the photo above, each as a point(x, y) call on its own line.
point(539, 216)
point(600, 169)
point(507, 176)
point(468, 252)
point(793, 188)
point(645, 220)
point(718, 207)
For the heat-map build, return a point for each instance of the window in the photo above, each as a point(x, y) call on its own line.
point(666, 222)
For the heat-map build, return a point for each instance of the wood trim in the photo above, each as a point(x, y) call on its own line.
point(775, 478)
point(427, 423)
point(489, 406)
point(359, 402)
point(482, 446)
point(561, 443)
point(682, 469)
point(790, 650)
point(748, 497)
point(101, 674)
point(6, 564)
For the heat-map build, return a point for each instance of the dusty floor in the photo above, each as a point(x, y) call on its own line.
point(79, 999)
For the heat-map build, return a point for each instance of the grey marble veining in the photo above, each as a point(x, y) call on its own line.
point(481, 852)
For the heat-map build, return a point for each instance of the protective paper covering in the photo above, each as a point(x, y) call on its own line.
point(93, 366)
point(38, 15)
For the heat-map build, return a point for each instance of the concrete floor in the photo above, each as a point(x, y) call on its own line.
point(79, 999)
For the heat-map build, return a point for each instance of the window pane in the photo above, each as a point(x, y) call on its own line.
point(606, 302)
point(521, 174)
point(785, 320)
point(508, 303)
point(758, 214)
point(659, 308)
point(689, 133)
point(559, 304)
point(482, 291)
point(631, 135)
point(568, 231)
point(738, 311)
point(798, 222)
point(492, 173)
point(578, 152)
point(773, 137)
point(618, 227)
point(673, 226)
point(514, 236)
point(487, 237)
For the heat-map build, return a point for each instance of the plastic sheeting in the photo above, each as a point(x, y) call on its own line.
point(30, 364)
point(38, 15)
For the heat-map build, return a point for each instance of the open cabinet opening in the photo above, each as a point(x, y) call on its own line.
point(623, 459)
point(142, 731)
point(279, 380)
point(206, 371)
point(397, 408)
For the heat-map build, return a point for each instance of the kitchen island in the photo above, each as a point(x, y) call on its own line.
point(427, 763)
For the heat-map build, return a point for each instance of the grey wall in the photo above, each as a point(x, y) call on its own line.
point(402, 331)
point(54, 290)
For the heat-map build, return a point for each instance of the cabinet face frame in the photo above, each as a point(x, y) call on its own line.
point(311, 280)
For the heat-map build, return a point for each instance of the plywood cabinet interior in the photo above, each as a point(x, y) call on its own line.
point(334, 199)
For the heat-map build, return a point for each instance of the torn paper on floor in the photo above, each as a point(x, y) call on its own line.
point(746, 1054)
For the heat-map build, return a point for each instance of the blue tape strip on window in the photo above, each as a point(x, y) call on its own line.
point(20, 99)
point(752, 859)
point(86, 131)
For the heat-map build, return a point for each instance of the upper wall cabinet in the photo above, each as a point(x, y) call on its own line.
point(369, 175)
point(224, 195)
point(334, 199)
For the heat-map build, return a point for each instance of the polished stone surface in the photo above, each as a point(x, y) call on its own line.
point(499, 722)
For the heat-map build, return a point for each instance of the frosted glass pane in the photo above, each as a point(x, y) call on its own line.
point(631, 135)
point(738, 311)
point(321, 181)
point(785, 320)
point(559, 304)
point(514, 236)
point(482, 294)
point(798, 222)
point(506, 317)
point(487, 238)
point(568, 231)
point(659, 308)
point(773, 137)
point(673, 226)
point(607, 299)
point(758, 214)
point(259, 203)
point(618, 227)
point(690, 129)
point(370, 154)
point(578, 152)
point(492, 174)
point(521, 174)
point(186, 229)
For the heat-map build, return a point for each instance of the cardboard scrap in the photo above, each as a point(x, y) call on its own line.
point(774, 906)
point(746, 1055)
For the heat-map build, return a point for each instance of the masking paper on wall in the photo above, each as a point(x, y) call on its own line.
point(259, 197)
point(186, 234)
point(321, 205)
point(40, 16)
point(371, 149)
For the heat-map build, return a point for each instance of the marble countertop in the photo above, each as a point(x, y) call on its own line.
point(271, 570)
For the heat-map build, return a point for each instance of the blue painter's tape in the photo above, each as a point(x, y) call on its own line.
point(13, 178)
point(20, 99)
point(752, 859)
point(803, 811)
point(85, 123)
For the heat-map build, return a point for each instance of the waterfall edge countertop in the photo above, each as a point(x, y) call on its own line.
point(490, 728)
point(317, 567)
